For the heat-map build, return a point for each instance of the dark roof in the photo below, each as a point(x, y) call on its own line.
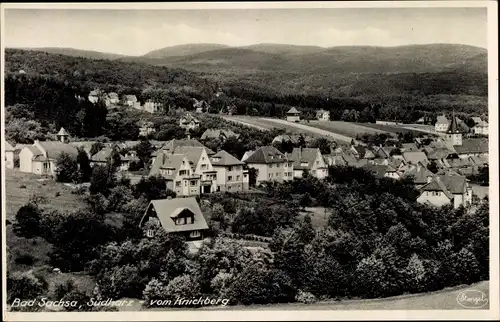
point(453, 128)
point(442, 120)
point(168, 209)
point(222, 158)
point(409, 147)
point(472, 146)
point(55, 148)
point(455, 184)
point(438, 153)
point(266, 155)
point(415, 157)
point(419, 174)
point(379, 170)
point(437, 185)
point(171, 145)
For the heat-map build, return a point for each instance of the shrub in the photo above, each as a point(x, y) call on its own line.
point(182, 287)
point(305, 297)
point(62, 289)
point(25, 259)
point(155, 290)
point(25, 287)
point(27, 221)
point(221, 283)
point(23, 186)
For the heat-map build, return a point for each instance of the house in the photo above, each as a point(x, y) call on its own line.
point(446, 189)
point(130, 100)
point(420, 175)
point(95, 96)
point(151, 106)
point(246, 155)
point(440, 153)
point(178, 172)
point(293, 115)
point(85, 146)
point(481, 127)
point(382, 171)
point(181, 216)
point(62, 136)
point(113, 98)
point(231, 175)
point(384, 152)
point(189, 122)
point(104, 156)
point(339, 159)
point(271, 165)
point(146, 128)
point(442, 124)
point(41, 157)
point(9, 155)
point(222, 134)
point(199, 106)
point(200, 162)
point(309, 159)
point(323, 115)
point(361, 152)
point(415, 158)
point(472, 147)
point(170, 146)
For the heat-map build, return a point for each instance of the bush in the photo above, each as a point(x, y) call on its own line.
point(155, 290)
point(27, 221)
point(25, 259)
point(25, 287)
point(182, 287)
point(305, 297)
point(62, 289)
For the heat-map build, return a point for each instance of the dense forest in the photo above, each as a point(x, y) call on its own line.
point(401, 97)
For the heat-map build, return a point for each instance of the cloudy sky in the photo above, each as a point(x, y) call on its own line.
point(136, 32)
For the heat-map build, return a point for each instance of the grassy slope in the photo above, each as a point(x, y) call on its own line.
point(17, 196)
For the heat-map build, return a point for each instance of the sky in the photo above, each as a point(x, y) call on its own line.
point(136, 32)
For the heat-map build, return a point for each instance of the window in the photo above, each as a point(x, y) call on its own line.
point(230, 178)
point(203, 167)
point(182, 172)
point(230, 168)
point(185, 183)
point(177, 183)
point(150, 233)
point(193, 183)
point(195, 234)
point(271, 166)
point(178, 221)
point(237, 178)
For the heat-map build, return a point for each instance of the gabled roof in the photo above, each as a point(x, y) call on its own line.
point(168, 209)
point(8, 147)
point(472, 146)
point(301, 155)
point(415, 157)
point(193, 153)
point(130, 97)
point(293, 110)
point(62, 132)
point(379, 170)
point(189, 118)
point(385, 151)
point(222, 158)
point(437, 185)
point(455, 184)
point(216, 133)
point(55, 148)
point(419, 174)
point(453, 128)
point(266, 155)
point(171, 145)
point(103, 155)
point(246, 155)
point(438, 153)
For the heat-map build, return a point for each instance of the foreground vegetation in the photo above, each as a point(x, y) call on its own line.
point(377, 242)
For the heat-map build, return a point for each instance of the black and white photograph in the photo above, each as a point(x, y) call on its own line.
point(259, 160)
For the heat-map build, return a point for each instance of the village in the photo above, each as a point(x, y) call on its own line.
point(191, 169)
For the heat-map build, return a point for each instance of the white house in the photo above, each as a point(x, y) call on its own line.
point(323, 115)
point(40, 158)
point(231, 175)
point(271, 165)
point(309, 159)
point(200, 162)
point(9, 155)
point(442, 124)
point(481, 127)
point(151, 106)
point(446, 189)
point(189, 122)
point(293, 115)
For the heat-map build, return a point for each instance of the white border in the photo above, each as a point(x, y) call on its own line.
point(268, 315)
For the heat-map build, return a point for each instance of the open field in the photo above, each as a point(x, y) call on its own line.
point(445, 299)
point(406, 128)
point(249, 121)
point(20, 187)
point(345, 128)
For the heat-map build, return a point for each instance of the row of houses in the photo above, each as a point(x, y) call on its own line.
point(443, 123)
point(113, 100)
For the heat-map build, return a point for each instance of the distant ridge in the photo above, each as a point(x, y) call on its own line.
point(182, 50)
point(90, 54)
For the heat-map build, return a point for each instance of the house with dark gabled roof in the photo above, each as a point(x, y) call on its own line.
point(181, 216)
point(420, 175)
point(362, 152)
point(293, 115)
point(231, 173)
point(178, 172)
point(444, 189)
point(271, 165)
point(189, 122)
point(415, 158)
point(382, 171)
point(472, 147)
point(308, 159)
